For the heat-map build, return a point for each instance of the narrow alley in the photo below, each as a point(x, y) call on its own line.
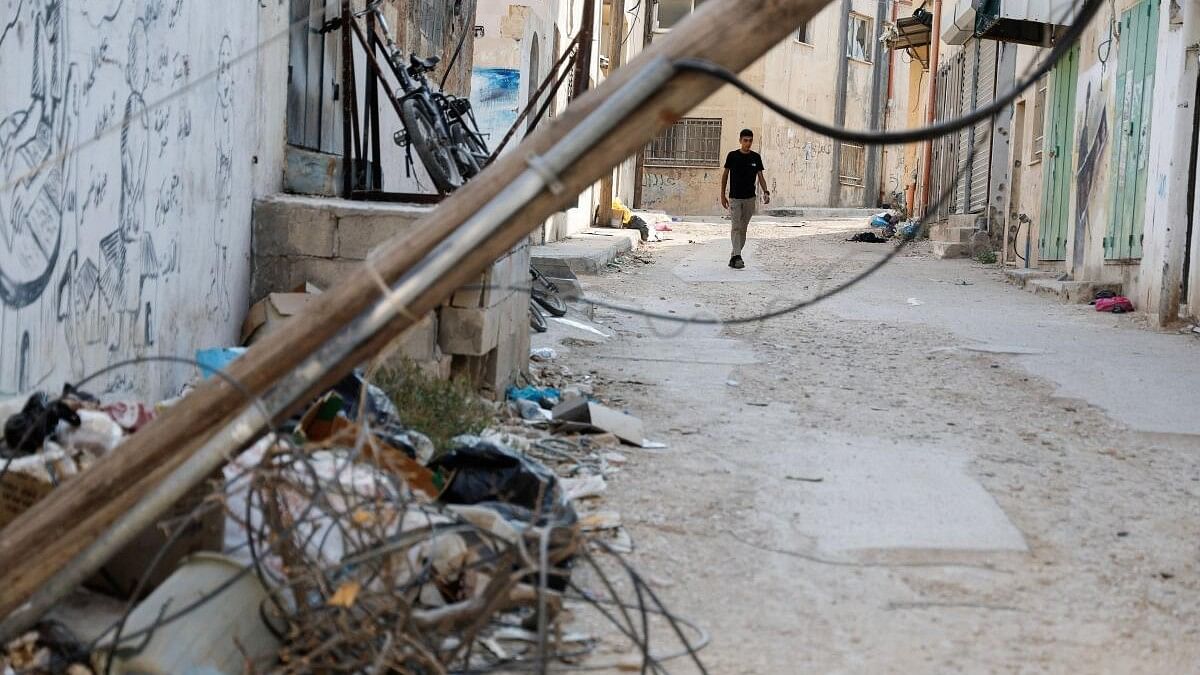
point(730, 337)
point(931, 472)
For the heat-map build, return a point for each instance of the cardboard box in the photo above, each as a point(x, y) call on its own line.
point(581, 412)
point(268, 314)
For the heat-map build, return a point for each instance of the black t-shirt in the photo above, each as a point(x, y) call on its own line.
point(744, 168)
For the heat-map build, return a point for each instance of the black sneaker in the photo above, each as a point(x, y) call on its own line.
point(736, 262)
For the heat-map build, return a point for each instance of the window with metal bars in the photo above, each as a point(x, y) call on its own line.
point(692, 141)
point(851, 172)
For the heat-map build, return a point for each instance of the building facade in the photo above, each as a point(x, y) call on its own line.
point(1092, 171)
point(833, 69)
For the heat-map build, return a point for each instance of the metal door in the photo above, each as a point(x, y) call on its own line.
point(314, 113)
point(985, 93)
point(1131, 142)
point(1060, 129)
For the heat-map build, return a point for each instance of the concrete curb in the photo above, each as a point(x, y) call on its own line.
point(588, 252)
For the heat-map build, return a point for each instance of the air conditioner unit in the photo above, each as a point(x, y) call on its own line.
point(1031, 22)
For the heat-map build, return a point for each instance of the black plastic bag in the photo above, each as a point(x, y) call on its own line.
point(26, 431)
point(482, 471)
point(380, 410)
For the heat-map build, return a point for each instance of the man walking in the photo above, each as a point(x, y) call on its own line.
point(745, 166)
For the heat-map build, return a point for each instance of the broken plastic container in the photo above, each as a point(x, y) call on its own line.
point(208, 639)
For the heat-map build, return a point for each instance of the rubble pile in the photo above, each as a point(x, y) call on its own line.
point(352, 545)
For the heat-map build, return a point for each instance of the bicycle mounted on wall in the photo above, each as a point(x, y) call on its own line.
point(439, 127)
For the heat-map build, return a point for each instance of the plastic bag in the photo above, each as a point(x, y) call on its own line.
point(481, 471)
point(25, 431)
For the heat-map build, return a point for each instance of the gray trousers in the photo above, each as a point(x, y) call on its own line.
point(741, 210)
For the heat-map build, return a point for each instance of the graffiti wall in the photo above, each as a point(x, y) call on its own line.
point(1090, 144)
point(125, 156)
point(494, 97)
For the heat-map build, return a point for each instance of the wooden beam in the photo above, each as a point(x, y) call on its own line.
point(733, 33)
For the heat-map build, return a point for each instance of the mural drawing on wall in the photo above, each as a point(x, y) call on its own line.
point(92, 236)
point(494, 98)
point(1093, 137)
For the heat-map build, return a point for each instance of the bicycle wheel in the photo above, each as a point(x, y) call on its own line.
point(433, 147)
point(468, 164)
point(545, 293)
point(551, 303)
point(536, 320)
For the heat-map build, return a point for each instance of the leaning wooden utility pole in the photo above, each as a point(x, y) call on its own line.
point(72, 528)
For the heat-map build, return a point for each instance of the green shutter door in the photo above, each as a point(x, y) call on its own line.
point(1060, 130)
point(1131, 142)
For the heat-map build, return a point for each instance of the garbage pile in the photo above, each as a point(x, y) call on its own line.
point(351, 545)
point(886, 225)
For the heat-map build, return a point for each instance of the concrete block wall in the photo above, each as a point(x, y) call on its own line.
point(481, 332)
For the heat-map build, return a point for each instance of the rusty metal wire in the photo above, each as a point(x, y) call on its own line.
point(366, 574)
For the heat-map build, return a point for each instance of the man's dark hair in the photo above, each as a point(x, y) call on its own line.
point(746, 133)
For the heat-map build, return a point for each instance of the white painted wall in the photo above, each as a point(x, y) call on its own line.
point(129, 133)
point(1171, 129)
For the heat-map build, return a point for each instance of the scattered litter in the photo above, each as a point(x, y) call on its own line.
point(602, 418)
point(481, 471)
point(914, 302)
point(1117, 305)
point(805, 479)
point(615, 458)
point(653, 445)
point(212, 360)
point(522, 635)
point(547, 397)
point(621, 541)
point(580, 325)
point(731, 383)
point(530, 410)
point(868, 237)
point(583, 488)
point(663, 227)
point(600, 520)
point(268, 314)
point(757, 404)
point(130, 415)
point(543, 354)
point(229, 618)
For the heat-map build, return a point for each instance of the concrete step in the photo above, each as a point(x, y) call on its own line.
point(585, 253)
point(951, 233)
point(1071, 292)
point(1022, 276)
point(951, 249)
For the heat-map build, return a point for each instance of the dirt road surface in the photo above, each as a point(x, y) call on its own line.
point(934, 472)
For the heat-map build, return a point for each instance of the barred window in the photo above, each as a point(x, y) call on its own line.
point(692, 141)
point(852, 164)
